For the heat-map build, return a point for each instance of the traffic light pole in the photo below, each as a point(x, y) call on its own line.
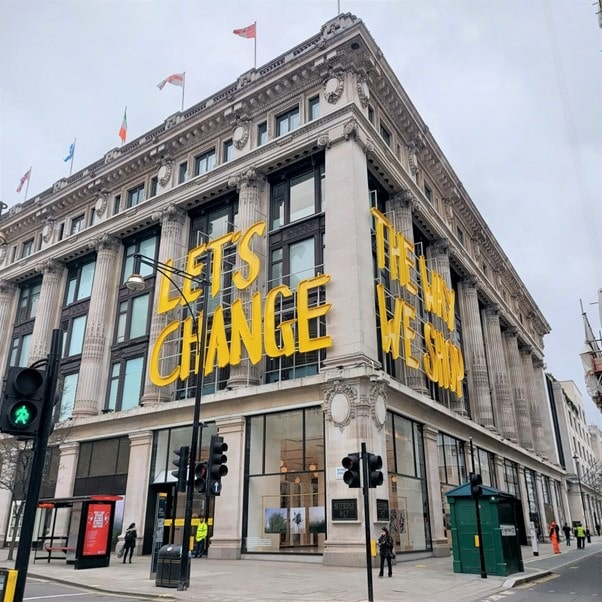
point(365, 488)
point(37, 465)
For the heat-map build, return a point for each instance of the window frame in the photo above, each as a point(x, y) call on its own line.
point(135, 196)
point(285, 117)
point(262, 133)
point(204, 157)
point(313, 108)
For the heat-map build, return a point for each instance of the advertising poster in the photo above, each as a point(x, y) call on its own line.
point(96, 538)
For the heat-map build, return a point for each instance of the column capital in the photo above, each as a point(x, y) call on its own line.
point(440, 246)
point(7, 287)
point(471, 281)
point(430, 432)
point(140, 438)
point(510, 333)
point(170, 214)
point(405, 198)
point(107, 242)
point(492, 310)
point(52, 266)
point(70, 448)
point(249, 177)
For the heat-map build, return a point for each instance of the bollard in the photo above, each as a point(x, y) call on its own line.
point(534, 542)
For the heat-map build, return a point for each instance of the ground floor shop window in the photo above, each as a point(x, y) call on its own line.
point(286, 493)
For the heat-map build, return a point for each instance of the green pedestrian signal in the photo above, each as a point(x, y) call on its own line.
point(22, 402)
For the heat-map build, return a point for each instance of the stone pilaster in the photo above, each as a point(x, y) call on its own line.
point(539, 380)
point(519, 394)
point(65, 482)
point(474, 354)
point(431, 458)
point(539, 441)
point(401, 206)
point(498, 373)
point(93, 373)
point(173, 232)
point(49, 309)
point(500, 473)
point(8, 300)
point(136, 490)
point(251, 187)
point(545, 527)
point(226, 540)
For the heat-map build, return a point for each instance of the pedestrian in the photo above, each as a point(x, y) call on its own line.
point(567, 534)
point(554, 536)
point(598, 529)
point(580, 535)
point(588, 535)
point(385, 548)
point(200, 538)
point(129, 542)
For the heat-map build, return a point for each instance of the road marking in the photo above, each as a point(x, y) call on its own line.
point(57, 596)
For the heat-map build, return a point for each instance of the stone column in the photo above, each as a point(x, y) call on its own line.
point(5, 506)
point(474, 354)
point(498, 373)
point(517, 381)
point(136, 490)
point(401, 206)
point(227, 517)
point(435, 500)
point(49, 309)
point(65, 483)
point(94, 367)
point(174, 237)
point(251, 209)
point(539, 381)
point(8, 300)
point(437, 255)
point(539, 442)
point(348, 254)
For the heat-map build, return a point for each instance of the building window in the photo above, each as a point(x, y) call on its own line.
point(102, 468)
point(154, 183)
point(287, 122)
point(77, 224)
point(93, 216)
point(371, 115)
point(19, 351)
point(144, 246)
point(262, 134)
point(79, 282)
point(204, 163)
point(428, 193)
point(116, 204)
point(74, 339)
point(313, 108)
point(68, 389)
point(385, 135)
point(135, 196)
point(460, 235)
point(27, 248)
point(227, 151)
point(182, 172)
point(125, 386)
point(132, 318)
point(28, 302)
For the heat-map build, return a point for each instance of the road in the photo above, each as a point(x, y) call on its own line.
point(38, 589)
point(575, 582)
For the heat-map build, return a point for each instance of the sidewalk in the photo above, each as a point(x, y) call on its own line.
point(429, 579)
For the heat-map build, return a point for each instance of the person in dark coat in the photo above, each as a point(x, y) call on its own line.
point(567, 534)
point(385, 548)
point(129, 542)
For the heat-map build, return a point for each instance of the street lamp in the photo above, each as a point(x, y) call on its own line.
point(136, 283)
point(576, 459)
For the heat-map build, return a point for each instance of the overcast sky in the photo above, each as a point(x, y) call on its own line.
point(511, 90)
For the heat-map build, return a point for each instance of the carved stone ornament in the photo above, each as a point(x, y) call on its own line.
point(351, 129)
point(47, 230)
point(378, 405)
point(333, 89)
point(101, 205)
point(164, 174)
point(339, 404)
point(363, 91)
point(413, 160)
point(324, 141)
point(240, 136)
point(3, 252)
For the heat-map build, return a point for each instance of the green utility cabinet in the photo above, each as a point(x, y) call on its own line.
point(499, 528)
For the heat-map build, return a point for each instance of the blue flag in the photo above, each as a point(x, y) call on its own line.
point(71, 152)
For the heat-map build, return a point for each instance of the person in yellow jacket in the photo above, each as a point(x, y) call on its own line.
point(580, 535)
point(200, 539)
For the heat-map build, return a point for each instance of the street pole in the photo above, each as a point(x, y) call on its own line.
point(576, 459)
point(37, 465)
point(365, 485)
point(477, 510)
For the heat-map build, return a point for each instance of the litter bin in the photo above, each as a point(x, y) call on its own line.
point(168, 566)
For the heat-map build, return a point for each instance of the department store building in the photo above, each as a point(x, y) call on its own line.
point(355, 295)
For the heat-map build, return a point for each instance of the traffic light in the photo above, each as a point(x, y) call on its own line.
point(181, 474)
point(200, 477)
point(375, 476)
point(22, 402)
point(217, 464)
point(351, 464)
point(475, 485)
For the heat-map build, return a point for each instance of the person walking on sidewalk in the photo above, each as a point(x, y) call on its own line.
point(580, 535)
point(385, 548)
point(129, 542)
point(555, 537)
point(200, 538)
point(567, 534)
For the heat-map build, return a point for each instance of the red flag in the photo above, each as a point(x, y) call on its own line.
point(24, 179)
point(246, 32)
point(177, 79)
point(123, 130)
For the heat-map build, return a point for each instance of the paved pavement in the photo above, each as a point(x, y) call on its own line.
point(260, 578)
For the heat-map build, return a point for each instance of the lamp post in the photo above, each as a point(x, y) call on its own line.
point(576, 459)
point(136, 282)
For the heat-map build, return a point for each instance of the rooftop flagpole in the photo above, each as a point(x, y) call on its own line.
point(255, 47)
point(72, 156)
point(183, 88)
point(27, 185)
